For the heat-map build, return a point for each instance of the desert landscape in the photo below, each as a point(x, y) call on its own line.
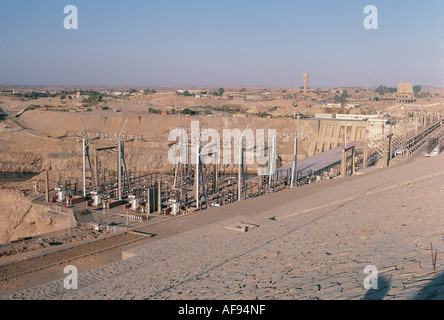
point(46, 139)
point(46, 136)
point(302, 251)
point(213, 159)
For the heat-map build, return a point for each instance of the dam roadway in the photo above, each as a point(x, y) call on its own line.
point(286, 200)
point(303, 206)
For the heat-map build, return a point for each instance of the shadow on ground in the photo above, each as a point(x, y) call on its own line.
point(434, 290)
point(381, 292)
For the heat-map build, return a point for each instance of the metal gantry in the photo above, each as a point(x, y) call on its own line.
point(199, 181)
point(119, 139)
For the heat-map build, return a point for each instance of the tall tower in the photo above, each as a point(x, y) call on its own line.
point(305, 75)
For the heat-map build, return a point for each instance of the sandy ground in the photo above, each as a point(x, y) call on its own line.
point(29, 246)
point(21, 218)
point(310, 247)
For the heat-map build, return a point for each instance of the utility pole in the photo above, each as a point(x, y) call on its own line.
point(353, 161)
point(388, 149)
point(271, 161)
point(344, 155)
point(148, 201)
point(47, 186)
point(97, 172)
point(159, 196)
point(416, 122)
point(196, 176)
point(365, 150)
point(404, 131)
point(84, 166)
point(239, 178)
point(295, 159)
point(119, 169)
point(216, 174)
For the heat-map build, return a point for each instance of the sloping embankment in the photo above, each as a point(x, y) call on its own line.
point(20, 218)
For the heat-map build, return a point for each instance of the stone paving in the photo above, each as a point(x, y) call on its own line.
point(315, 248)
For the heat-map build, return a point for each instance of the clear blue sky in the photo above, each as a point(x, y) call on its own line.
point(216, 43)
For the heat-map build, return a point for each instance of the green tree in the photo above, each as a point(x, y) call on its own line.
point(188, 111)
point(338, 99)
point(383, 90)
point(417, 89)
point(151, 110)
point(148, 91)
point(221, 91)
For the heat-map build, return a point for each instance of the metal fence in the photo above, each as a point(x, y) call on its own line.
point(61, 209)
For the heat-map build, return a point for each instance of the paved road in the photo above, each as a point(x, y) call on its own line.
point(256, 206)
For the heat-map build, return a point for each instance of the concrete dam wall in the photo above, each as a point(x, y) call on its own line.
point(330, 134)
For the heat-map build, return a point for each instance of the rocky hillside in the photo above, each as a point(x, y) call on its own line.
point(20, 218)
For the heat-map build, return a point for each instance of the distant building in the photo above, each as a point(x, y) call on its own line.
point(405, 93)
point(192, 92)
point(325, 115)
point(360, 117)
point(339, 105)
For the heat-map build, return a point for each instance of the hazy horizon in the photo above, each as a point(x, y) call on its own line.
point(197, 87)
point(196, 43)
